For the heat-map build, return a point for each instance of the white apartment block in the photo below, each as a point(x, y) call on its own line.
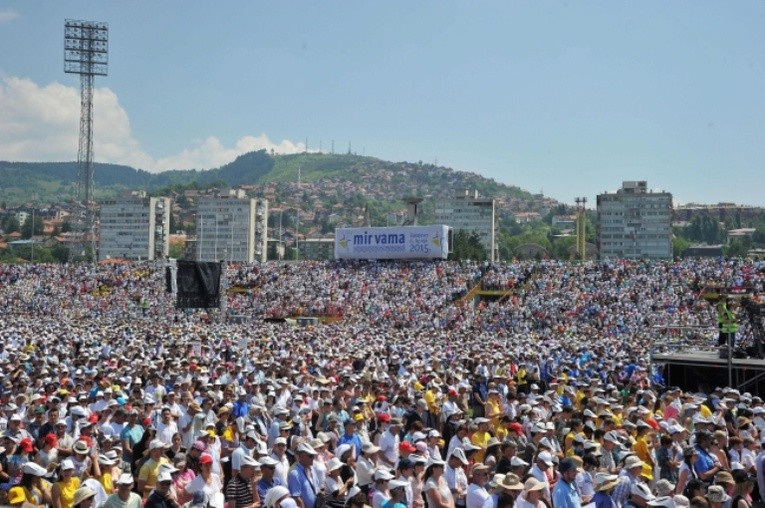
point(633, 223)
point(231, 227)
point(468, 211)
point(134, 227)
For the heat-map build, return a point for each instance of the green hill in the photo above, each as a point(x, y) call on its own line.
point(325, 177)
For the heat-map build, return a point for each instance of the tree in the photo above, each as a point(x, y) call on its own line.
point(10, 223)
point(467, 245)
point(176, 250)
point(26, 229)
point(679, 246)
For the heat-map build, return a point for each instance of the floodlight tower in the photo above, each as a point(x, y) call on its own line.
point(86, 52)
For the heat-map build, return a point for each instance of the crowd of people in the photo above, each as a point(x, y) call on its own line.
point(415, 393)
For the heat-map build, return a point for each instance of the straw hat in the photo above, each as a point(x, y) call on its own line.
point(532, 484)
point(511, 482)
point(605, 482)
point(82, 494)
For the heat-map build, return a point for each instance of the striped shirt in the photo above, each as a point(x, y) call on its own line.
point(239, 490)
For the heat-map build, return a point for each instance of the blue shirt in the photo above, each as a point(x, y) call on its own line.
point(300, 486)
point(565, 495)
point(264, 486)
point(705, 462)
point(354, 440)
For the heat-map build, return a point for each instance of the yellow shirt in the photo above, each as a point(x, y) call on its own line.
point(493, 412)
point(430, 400)
point(150, 470)
point(107, 482)
point(67, 490)
point(480, 439)
point(643, 451)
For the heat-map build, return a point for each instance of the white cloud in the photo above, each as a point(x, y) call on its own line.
point(41, 124)
point(8, 15)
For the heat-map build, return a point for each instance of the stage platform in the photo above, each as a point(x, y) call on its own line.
point(699, 370)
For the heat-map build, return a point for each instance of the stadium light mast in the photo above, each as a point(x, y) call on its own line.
point(86, 52)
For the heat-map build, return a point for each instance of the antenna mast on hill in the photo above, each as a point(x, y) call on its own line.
point(86, 52)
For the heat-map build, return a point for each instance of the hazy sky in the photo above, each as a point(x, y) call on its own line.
point(569, 98)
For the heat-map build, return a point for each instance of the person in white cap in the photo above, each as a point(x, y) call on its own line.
point(124, 497)
point(477, 494)
point(240, 491)
point(454, 474)
point(302, 483)
point(31, 489)
point(268, 479)
point(150, 470)
point(542, 470)
point(160, 496)
point(62, 492)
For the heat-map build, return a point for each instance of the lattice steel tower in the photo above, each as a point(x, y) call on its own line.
point(86, 52)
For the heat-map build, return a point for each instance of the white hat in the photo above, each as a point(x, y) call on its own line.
point(268, 461)
point(383, 474)
point(334, 463)
point(247, 460)
point(67, 464)
point(306, 448)
point(459, 453)
point(397, 484)
point(274, 495)
point(124, 479)
point(164, 476)
point(518, 462)
point(546, 458)
point(34, 469)
point(156, 443)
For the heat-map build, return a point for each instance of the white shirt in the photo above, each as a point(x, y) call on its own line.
point(389, 447)
point(165, 432)
point(476, 496)
point(282, 469)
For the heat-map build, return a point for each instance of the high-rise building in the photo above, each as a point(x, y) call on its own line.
point(231, 227)
point(634, 223)
point(468, 211)
point(134, 227)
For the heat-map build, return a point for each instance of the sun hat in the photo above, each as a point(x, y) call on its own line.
point(333, 464)
point(82, 494)
point(80, 447)
point(716, 494)
point(511, 482)
point(633, 461)
point(532, 484)
point(664, 487)
point(604, 482)
point(641, 490)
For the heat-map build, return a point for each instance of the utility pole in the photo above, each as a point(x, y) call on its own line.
point(32, 230)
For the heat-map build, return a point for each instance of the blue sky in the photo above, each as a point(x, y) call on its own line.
point(568, 98)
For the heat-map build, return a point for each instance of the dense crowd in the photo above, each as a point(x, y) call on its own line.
point(414, 392)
